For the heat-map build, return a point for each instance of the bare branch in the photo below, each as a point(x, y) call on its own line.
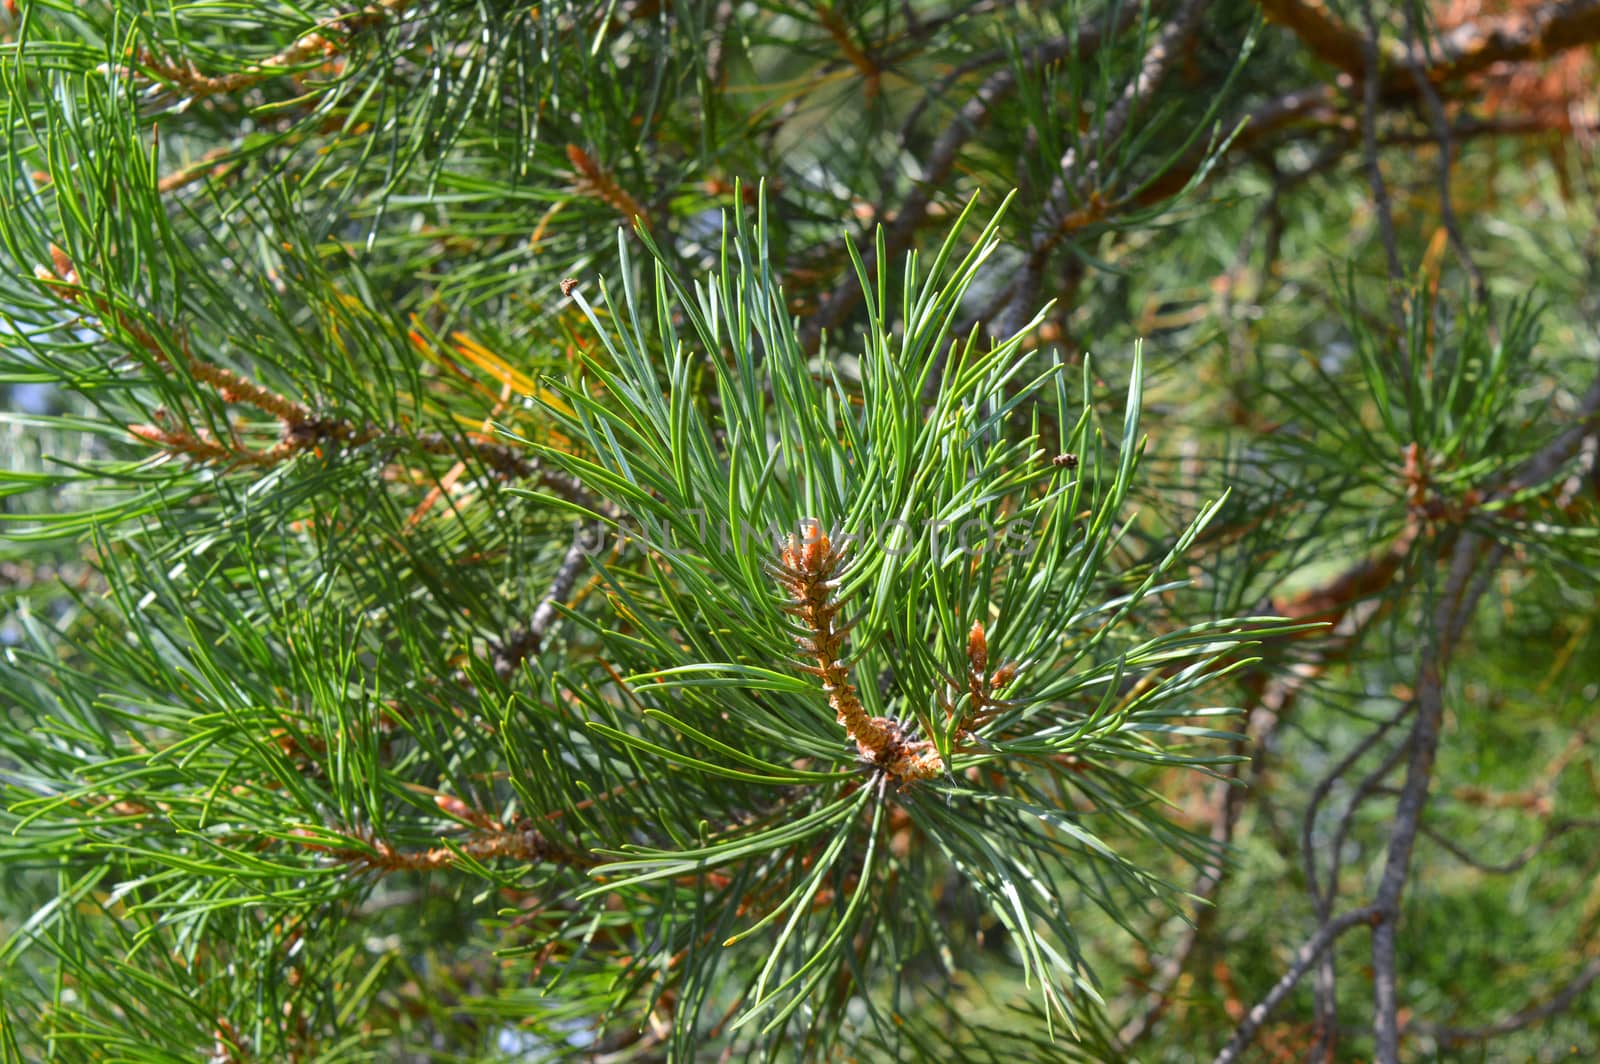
point(1527, 1017)
point(1469, 49)
point(1440, 125)
point(1369, 147)
point(1074, 199)
point(942, 158)
point(1456, 603)
point(1476, 46)
point(300, 428)
point(1319, 793)
point(525, 642)
point(314, 46)
point(1322, 32)
point(1553, 831)
point(1304, 958)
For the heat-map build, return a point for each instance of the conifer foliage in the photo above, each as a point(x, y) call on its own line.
point(798, 531)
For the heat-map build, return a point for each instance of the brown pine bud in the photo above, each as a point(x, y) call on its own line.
point(978, 649)
point(63, 265)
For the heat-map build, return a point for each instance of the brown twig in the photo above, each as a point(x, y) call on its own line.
point(300, 429)
point(1468, 49)
point(1322, 32)
point(489, 841)
point(1476, 46)
point(195, 85)
point(213, 163)
point(870, 72)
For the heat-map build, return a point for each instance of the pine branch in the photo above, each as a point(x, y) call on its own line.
point(488, 840)
point(1476, 46)
point(272, 601)
point(187, 81)
point(1083, 44)
point(301, 430)
point(1079, 196)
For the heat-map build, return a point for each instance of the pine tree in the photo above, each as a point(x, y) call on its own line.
point(799, 531)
